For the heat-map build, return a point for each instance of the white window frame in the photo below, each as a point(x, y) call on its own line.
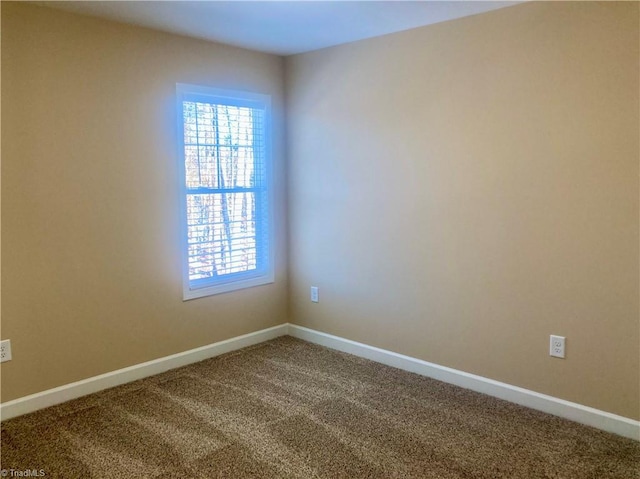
point(236, 281)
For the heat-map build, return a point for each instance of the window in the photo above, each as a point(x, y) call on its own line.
point(226, 198)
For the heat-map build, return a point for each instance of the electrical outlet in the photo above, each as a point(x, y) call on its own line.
point(314, 294)
point(5, 350)
point(556, 346)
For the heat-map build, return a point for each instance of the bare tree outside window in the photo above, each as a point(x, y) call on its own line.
point(227, 212)
point(223, 183)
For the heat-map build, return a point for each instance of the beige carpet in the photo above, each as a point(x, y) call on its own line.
point(287, 408)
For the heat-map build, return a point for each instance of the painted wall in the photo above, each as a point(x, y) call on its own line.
point(91, 271)
point(459, 192)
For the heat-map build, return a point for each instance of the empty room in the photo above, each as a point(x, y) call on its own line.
point(322, 239)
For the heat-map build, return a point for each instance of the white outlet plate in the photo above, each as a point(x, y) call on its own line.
point(314, 294)
point(5, 350)
point(556, 346)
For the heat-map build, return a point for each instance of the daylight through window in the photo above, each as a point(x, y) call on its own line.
point(226, 195)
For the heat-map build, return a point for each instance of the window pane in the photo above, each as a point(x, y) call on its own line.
point(221, 234)
point(222, 144)
point(227, 230)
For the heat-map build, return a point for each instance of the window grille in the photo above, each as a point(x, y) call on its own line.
point(226, 200)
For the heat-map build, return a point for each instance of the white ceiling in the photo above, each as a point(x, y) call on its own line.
point(281, 27)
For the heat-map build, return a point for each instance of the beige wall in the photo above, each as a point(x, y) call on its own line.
point(461, 191)
point(458, 192)
point(91, 276)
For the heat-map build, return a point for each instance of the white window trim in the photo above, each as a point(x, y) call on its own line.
point(240, 98)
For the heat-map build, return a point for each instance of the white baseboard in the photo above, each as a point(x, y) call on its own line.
point(51, 397)
point(558, 407)
point(575, 412)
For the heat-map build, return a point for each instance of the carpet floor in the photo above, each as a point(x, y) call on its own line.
point(290, 409)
